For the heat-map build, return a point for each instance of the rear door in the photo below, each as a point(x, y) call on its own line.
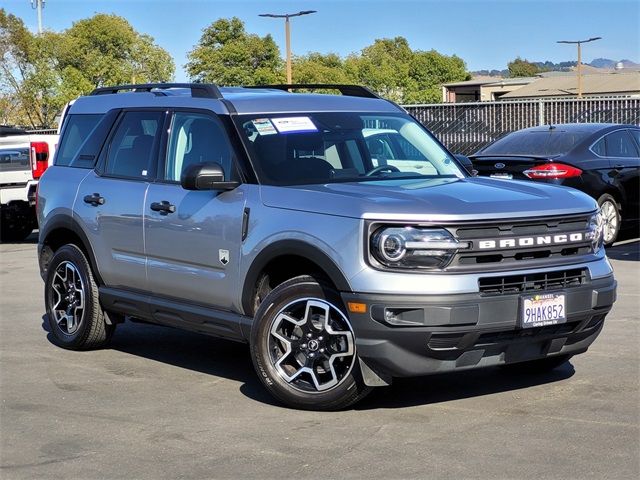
point(193, 238)
point(622, 151)
point(110, 200)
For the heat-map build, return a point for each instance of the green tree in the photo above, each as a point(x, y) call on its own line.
point(227, 55)
point(391, 68)
point(522, 68)
point(428, 71)
point(40, 73)
point(320, 68)
point(384, 67)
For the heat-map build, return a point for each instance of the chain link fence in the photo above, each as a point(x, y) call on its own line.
point(466, 127)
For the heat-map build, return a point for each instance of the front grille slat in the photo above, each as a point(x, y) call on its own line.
point(556, 280)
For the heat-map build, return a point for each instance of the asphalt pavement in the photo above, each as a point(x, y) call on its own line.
point(161, 403)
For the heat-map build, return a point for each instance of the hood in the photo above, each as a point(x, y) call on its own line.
point(443, 199)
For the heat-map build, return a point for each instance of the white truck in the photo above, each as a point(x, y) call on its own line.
point(24, 156)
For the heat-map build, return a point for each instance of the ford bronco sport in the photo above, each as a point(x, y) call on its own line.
point(333, 233)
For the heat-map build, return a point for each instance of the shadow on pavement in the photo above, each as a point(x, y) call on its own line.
point(408, 392)
point(231, 360)
point(626, 251)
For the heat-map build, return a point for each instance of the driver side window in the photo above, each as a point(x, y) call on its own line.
point(196, 138)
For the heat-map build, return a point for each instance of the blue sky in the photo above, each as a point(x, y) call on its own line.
point(486, 34)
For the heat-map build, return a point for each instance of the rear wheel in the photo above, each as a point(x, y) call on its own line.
point(303, 347)
point(75, 317)
point(611, 218)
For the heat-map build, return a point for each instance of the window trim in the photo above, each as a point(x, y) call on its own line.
point(101, 164)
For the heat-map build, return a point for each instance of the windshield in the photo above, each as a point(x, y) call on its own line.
point(543, 143)
point(311, 148)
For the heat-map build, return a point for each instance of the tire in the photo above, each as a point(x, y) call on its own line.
point(612, 219)
point(305, 358)
point(74, 314)
point(543, 365)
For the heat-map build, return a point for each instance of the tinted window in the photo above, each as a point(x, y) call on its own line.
point(196, 138)
point(131, 147)
point(600, 147)
point(77, 129)
point(546, 142)
point(636, 135)
point(619, 144)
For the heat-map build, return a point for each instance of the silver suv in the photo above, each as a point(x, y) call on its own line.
point(333, 233)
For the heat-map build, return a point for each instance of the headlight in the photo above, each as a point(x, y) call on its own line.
point(412, 247)
point(596, 231)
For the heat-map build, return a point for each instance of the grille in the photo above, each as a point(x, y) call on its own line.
point(501, 258)
point(533, 282)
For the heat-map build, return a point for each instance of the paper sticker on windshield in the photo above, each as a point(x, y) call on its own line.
point(264, 126)
point(294, 124)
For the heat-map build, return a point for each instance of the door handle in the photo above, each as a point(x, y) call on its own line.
point(163, 207)
point(94, 199)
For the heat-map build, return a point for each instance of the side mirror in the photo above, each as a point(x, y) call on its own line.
point(205, 176)
point(466, 163)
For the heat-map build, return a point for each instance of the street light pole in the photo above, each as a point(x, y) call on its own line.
point(38, 5)
point(287, 31)
point(579, 69)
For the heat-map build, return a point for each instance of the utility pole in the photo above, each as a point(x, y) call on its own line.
point(579, 69)
point(287, 31)
point(38, 5)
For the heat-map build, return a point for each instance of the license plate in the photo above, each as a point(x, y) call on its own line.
point(504, 176)
point(541, 310)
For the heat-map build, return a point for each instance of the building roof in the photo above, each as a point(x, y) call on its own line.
point(474, 82)
point(513, 81)
point(593, 84)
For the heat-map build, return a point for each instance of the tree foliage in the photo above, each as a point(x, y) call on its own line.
point(40, 73)
point(227, 55)
point(523, 68)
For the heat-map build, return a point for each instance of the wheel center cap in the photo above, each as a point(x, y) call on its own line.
point(313, 345)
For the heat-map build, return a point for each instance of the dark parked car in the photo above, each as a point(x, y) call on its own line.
point(602, 160)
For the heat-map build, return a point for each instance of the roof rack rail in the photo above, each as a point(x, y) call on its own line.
point(200, 90)
point(348, 90)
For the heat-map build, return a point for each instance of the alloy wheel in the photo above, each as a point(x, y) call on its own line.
point(68, 295)
point(311, 345)
point(610, 217)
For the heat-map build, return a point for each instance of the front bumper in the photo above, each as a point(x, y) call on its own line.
point(462, 331)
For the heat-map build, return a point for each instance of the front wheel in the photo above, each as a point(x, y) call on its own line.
point(303, 347)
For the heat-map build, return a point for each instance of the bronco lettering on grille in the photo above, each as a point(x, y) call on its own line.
point(532, 241)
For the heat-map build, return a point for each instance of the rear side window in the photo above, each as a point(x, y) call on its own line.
point(131, 148)
point(77, 128)
point(636, 135)
point(600, 148)
point(620, 144)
